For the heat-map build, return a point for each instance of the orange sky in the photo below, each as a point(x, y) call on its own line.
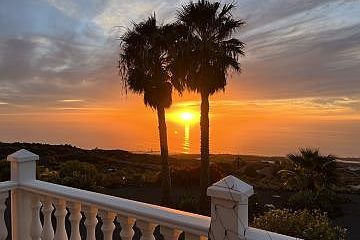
point(267, 127)
point(299, 84)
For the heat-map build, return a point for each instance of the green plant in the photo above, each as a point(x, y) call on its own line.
point(325, 201)
point(189, 202)
point(305, 224)
point(309, 170)
point(79, 175)
point(190, 176)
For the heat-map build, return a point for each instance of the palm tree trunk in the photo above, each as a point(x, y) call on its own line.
point(205, 159)
point(165, 168)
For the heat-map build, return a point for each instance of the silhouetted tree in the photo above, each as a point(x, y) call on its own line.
point(144, 67)
point(310, 171)
point(202, 58)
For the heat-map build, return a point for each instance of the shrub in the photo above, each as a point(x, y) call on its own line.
point(189, 202)
point(79, 175)
point(309, 170)
point(114, 180)
point(325, 200)
point(250, 171)
point(190, 176)
point(303, 224)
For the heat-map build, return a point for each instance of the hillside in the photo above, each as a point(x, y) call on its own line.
point(139, 168)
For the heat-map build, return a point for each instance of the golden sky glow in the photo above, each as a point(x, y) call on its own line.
point(184, 116)
point(299, 84)
point(267, 127)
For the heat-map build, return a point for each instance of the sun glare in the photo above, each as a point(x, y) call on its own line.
point(187, 116)
point(184, 117)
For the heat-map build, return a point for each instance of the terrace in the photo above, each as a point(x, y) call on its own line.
point(43, 210)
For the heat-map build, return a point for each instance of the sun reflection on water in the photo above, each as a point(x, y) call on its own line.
point(186, 144)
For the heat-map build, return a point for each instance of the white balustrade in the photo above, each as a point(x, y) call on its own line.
point(170, 233)
point(47, 209)
point(147, 229)
point(229, 199)
point(108, 226)
point(75, 217)
point(3, 229)
point(127, 224)
point(90, 222)
point(36, 227)
point(60, 214)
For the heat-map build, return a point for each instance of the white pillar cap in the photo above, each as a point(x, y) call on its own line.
point(22, 155)
point(230, 188)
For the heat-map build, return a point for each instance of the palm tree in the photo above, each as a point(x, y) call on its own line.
point(144, 69)
point(202, 59)
point(310, 170)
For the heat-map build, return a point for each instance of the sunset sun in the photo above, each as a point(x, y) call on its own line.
point(184, 116)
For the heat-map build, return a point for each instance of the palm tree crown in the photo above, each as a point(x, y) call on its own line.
point(311, 170)
point(143, 63)
point(207, 50)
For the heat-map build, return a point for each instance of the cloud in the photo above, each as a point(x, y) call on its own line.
point(62, 49)
point(70, 100)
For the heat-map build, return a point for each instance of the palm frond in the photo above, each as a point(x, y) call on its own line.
point(144, 62)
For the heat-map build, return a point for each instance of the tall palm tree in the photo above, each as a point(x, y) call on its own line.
point(203, 57)
point(144, 69)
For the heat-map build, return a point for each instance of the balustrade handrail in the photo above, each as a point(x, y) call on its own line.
point(7, 186)
point(256, 234)
point(176, 219)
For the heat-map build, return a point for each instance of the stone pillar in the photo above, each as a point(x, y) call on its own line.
point(229, 208)
point(23, 169)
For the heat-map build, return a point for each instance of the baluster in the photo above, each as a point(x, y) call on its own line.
point(75, 217)
point(127, 224)
point(36, 227)
point(191, 236)
point(147, 230)
point(170, 233)
point(91, 222)
point(60, 214)
point(108, 226)
point(47, 209)
point(3, 229)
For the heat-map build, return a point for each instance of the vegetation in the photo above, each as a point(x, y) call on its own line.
point(310, 170)
point(301, 224)
point(313, 176)
point(203, 57)
point(78, 175)
point(187, 176)
point(188, 202)
point(144, 68)
point(325, 201)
